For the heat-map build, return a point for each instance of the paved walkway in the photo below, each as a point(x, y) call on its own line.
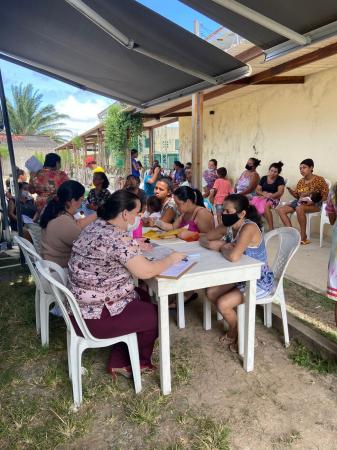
point(309, 265)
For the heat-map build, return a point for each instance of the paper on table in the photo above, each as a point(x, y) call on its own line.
point(177, 270)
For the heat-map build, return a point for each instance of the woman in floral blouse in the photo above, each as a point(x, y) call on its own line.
point(104, 262)
point(46, 181)
point(100, 193)
point(307, 186)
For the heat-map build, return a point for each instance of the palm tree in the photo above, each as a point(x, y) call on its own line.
point(28, 117)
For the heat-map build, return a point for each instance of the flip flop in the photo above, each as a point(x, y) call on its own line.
point(225, 339)
point(305, 242)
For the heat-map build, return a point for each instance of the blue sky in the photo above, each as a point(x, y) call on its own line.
point(82, 106)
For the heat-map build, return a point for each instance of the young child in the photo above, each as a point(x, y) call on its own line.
point(311, 199)
point(220, 190)
point(153, 207)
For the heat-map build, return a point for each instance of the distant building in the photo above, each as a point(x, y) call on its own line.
point(24, 148)
point(166, 146)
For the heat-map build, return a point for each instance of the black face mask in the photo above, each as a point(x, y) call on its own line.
point(249, 167)
point(230, 219)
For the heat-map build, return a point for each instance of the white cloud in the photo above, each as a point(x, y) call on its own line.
point(82, 115)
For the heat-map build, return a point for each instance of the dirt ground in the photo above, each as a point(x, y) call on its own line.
point(278, 406)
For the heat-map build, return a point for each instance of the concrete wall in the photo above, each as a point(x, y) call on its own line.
point(285, 122)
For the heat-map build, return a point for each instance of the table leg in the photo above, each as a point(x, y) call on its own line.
point(207, 313)
point(181, 310)
point(164, 345)
point(249, 342)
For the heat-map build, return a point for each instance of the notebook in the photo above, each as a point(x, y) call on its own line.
point(177, 270)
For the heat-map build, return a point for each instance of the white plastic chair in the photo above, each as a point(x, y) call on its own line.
point(35, 233)
point(44, 296)
point(77, 344)
point(324, 220)
point(288, 243)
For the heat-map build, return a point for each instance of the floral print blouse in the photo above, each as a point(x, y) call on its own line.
point(97, 273)
point(45, 183)
point(98, 198)
point(317, 184)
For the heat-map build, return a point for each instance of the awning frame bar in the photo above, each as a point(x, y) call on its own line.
point(264, 21)
point(317, 35)
point(130, 44)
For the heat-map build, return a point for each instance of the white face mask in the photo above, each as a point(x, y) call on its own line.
point(134, 225)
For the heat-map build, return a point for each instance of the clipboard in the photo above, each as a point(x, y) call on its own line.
point(177, 270)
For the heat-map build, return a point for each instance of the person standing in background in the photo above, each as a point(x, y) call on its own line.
point(209, 176)
point(220, 190)
point(46, 181)
point(331, 210)
point(134, 163)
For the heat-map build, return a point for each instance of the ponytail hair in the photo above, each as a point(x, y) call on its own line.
point(185, 193)
point(277, 165)
point(241, 203)
point(69, 190)
point(256, 161)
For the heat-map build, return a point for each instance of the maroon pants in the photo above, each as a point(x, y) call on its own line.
point(138, 316)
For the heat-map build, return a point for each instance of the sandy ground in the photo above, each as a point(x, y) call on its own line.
point(278, 406)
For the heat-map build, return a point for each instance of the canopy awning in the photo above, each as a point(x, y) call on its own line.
point(277, 26)
point(117, 48)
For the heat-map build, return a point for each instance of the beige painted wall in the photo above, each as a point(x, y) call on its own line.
point(285, 122)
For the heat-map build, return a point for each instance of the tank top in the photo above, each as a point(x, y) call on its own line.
point(266, 281)
point(192, 226)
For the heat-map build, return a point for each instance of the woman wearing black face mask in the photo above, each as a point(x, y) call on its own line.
point(239, 235)
point(249, 179)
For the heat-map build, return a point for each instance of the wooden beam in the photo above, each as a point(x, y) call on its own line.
point(301, 61)
point(284, 80)
point(151, 150)
point(158, 116)
point(197, 137)
point(161, 124)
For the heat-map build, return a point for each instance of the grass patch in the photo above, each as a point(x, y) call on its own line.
point(313, 297)
point(312, 361)
point(36, 396)
point(286, 440)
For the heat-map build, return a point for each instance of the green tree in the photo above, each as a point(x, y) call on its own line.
point(28, 116)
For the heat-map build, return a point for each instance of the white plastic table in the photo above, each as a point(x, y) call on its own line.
point(212, 269)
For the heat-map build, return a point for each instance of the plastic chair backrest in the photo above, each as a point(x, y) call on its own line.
point(62, 294)
point(288, 242)
point(35, 232)
point(31, 258)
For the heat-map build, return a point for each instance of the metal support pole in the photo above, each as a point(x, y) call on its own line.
point(4, 209)
point(197, 138)
point(11, 156)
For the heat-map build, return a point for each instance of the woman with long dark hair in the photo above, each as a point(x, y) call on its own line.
point(193, 214)
point(105, 261)
point(239, 234)
point(59, 227)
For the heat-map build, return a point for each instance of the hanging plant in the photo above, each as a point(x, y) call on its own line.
point(122, 130)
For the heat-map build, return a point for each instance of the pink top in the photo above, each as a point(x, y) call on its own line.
point(192, 226)
point(223, 189)
point(97, 272)
point(331, 207)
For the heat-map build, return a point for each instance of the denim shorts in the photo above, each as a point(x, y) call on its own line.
point(294, 204)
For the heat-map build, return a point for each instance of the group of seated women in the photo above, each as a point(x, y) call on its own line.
point(103, 259)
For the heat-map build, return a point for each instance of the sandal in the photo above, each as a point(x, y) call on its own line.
point(148, 368)
point(225, 339)
point(126, 372)
point(305, 242)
